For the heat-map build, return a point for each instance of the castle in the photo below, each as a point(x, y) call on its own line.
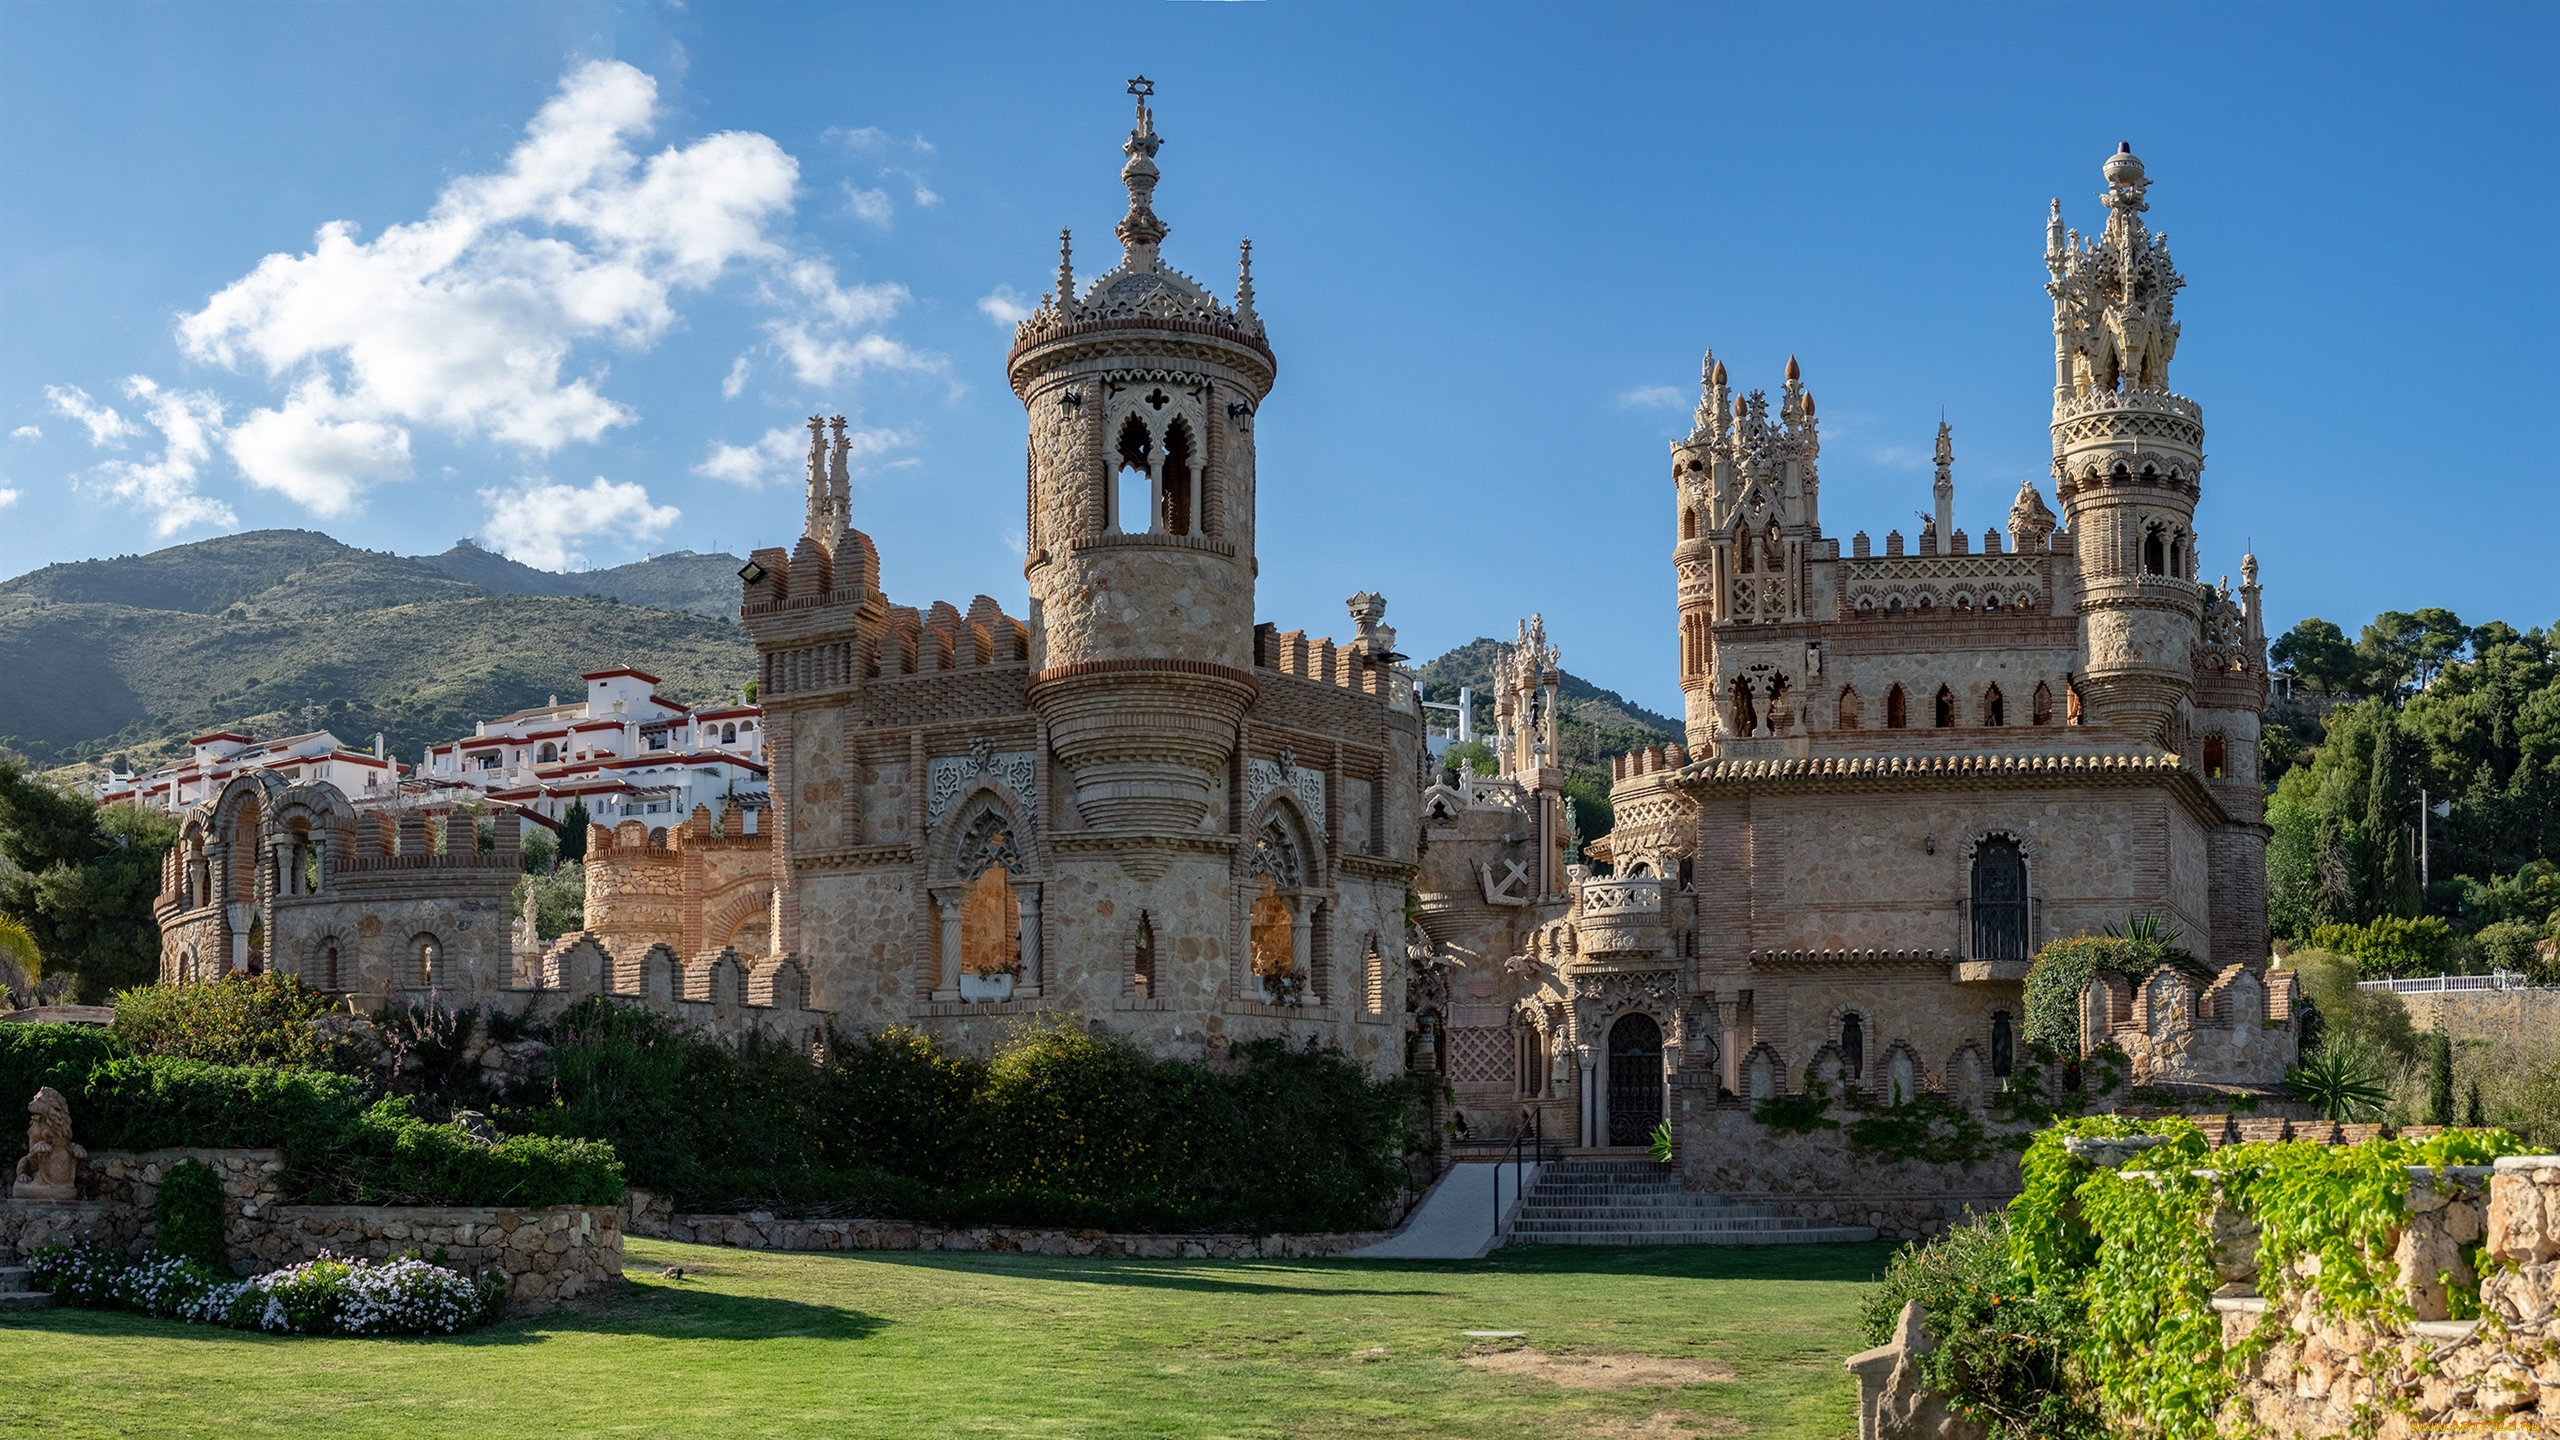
point(1904, 770)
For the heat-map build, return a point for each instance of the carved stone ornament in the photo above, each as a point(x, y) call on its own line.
point(947, 779)
point(1261, 777)
point(988, 841)
point(1608, 993)
point(50, 1169)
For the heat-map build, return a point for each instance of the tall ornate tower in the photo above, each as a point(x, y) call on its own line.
point(2127, 455)
point(1749, 493)
point(1142, 393)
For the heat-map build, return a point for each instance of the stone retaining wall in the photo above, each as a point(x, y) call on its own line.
point(550, 1257)
point(758, 1231)
point(1819, 1176)
point(2485, 1014)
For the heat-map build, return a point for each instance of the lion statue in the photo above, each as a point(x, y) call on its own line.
point(48, 1169)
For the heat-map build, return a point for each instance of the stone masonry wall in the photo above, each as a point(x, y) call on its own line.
point(550, 1257)
point(759, 1231)
point(1723, 1151)
point(2486, 1014)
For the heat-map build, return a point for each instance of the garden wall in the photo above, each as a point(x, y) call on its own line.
point(548, 1256)
point(2486, 1014)
point(759, 1230)
point(2494, 1375)
point(1820, 1175)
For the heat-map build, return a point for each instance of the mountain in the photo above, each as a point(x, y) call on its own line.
point(1596, 723)
point(280, 631)
point(678, 580)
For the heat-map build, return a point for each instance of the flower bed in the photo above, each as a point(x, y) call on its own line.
point(324, 1296)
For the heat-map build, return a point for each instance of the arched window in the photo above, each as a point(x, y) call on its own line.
point(1142, 961)
point(1995, 707)
point(1177, 478)
point(2155, 553)
point(426, 962)
point(729, 734)
point(1946, 708)
point(2213, 756)
point(324, 967)
point(550, 754)
point(1133, 489)
point(1853, 1045)
point(2074, 709)
point(991, 925)
point(1746, 717)
point(2043, 704)
point(1275, 954)
point(1895, 709)
point(1848, 708)
point(2004, 1045)
point(1999, 900)
point(1688, 524)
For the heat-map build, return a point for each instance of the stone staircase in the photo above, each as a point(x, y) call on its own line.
point(15, 1294)
point(1594, 1200)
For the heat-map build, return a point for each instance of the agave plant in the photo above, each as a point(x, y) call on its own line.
point(1660, 1143)
point(2344, 1078)
point(2153, 932)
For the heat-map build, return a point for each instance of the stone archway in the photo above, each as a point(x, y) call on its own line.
point(1635, 1079)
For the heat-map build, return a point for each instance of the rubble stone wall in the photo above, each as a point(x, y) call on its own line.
point(759, 1231)
point(1724, 1151)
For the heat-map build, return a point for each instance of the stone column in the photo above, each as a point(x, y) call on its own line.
point(947, 901)
point(1302, 941)
point(1590, 1097)
point(1029, 933)
point(1729, 1019)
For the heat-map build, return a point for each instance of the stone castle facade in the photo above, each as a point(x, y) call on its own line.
point(1904, 771)
point(1906, 766)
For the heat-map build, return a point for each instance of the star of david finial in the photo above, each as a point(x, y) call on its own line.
point(1142, 87)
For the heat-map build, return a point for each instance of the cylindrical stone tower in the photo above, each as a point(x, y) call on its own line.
point(2127, 457)
point(1693, 467)
point(1142, 394)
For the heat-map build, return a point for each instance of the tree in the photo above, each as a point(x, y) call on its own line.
point(2401, 651)
point(2319, 656)
point(2439, 1052)
point(2390, 815)
point(83, 880)
point(573, 833)
point(1466, 753)
point(541, 852)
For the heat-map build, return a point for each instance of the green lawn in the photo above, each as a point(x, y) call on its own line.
point(758, 1344)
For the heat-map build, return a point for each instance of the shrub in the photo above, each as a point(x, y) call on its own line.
point(236, 1020)
point(2338, 1007)
point(324, 1296)
point(33, 1056)
point(2063, 968)
point(154, 1103)
point(190, 1214)
point(2391, 947)
point(2344, 1079)
point(2513, 945)
point(388, 1156)
point(2004, 1347)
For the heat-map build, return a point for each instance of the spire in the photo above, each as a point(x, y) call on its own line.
point(1066, 270)
point(1140, 231)
point(1244, 283)
point(816, 525)
point(1944, 491)
point(839, 476)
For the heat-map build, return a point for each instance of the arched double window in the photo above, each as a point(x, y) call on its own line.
point(1156, 486)
point(1999, 900)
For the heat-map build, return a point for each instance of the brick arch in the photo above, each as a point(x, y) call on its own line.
point(730, 911)
point(980, 796)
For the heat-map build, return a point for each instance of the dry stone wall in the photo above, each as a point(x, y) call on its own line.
point(761, 1231)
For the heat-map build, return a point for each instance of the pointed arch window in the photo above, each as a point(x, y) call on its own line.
point(2213, 757)
point(2004, 1045)
point(1131, 499)
point(1853, 1045)
point(1999, 900)
point(2043, 704)
point(1688, 524)
point(1746, 716)
point(1995, 707)
point(2155, 553)
point(1849, 707)
point(1896, 709)
point(1946, 708)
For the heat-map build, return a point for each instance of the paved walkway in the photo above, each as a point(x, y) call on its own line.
point(1455, 1220)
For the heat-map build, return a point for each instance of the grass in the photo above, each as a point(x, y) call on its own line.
point(761, 1344)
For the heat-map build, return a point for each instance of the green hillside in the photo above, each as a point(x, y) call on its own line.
point(678, 580)
point(1597, 723)
point(275, 632)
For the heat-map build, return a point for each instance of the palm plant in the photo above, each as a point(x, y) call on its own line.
point(2344, 1078)
point(18, 951)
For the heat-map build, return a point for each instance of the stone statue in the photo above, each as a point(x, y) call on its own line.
point(49, 1168)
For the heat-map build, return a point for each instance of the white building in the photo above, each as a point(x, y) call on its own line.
point(625, 751)
point(213, 759)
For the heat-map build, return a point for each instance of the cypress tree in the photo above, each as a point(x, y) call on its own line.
point(2440, 1078)
point(573, 832)
point(2391, 797)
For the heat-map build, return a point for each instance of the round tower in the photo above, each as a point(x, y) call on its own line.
point(2127, 458)
point(1693, 467)
point(1142, 392)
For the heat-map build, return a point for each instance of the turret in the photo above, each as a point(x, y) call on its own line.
point(2127, 456)
point(1142, 393)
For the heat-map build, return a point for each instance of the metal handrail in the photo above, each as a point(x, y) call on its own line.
point(1532, 1132)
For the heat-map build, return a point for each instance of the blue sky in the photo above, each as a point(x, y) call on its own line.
point(552, 276)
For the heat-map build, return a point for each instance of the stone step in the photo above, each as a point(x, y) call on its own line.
point(13, 1300)
point(1824, 1235)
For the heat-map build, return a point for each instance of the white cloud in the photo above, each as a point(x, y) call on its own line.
point(782, 454)
point(26, 432)
point(188, 421)
point(829, 340)
point(736, 379)
point(869, 206)
point(466, 321)
point(1901, 457)
point(540, 523)
point(1655, 397)
point(1005, 307)
point(868, 138)
point(8, 497)
point(105, 426)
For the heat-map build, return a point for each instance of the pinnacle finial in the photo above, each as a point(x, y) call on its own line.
point(1794, 372)
point(1244, 280)
point(1066, 269)
point(1140, 231)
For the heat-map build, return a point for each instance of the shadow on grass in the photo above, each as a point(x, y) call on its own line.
point(1232, 1277)
point(663, 1312)
point(1859, 1263)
